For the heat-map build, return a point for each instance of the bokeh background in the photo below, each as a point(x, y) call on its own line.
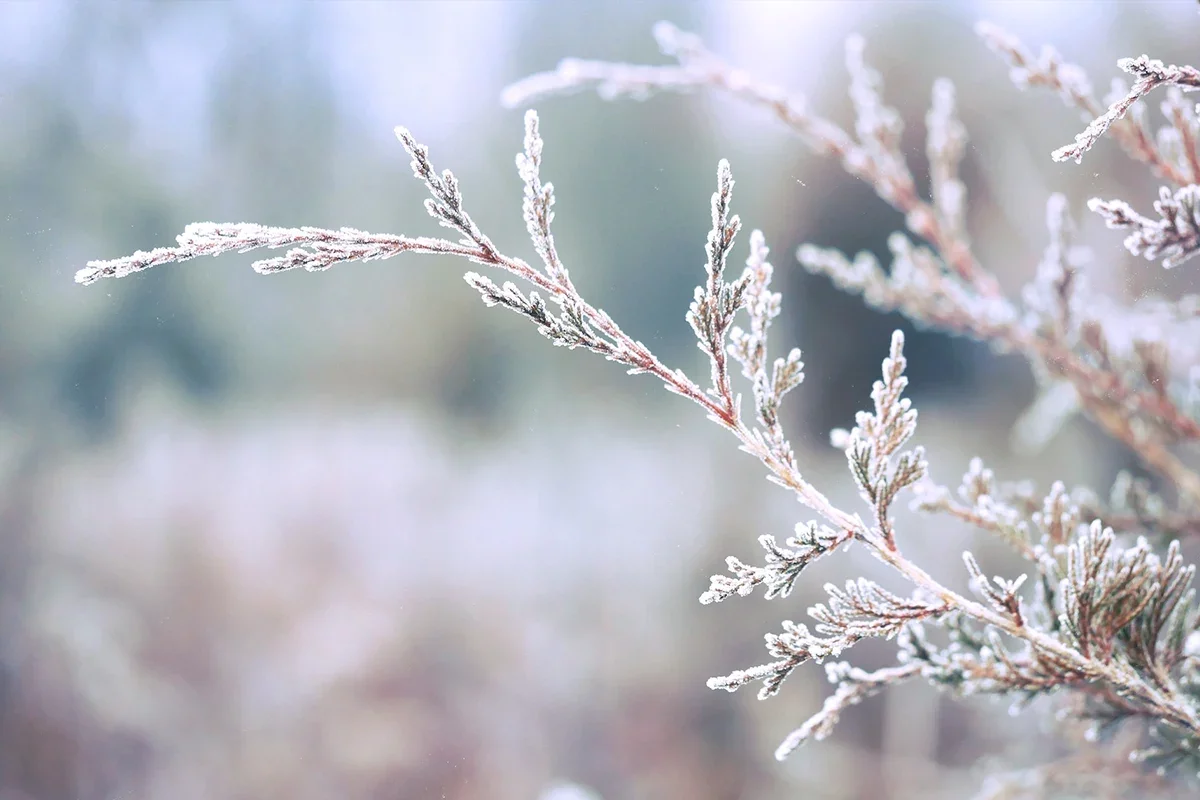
point(350, 534)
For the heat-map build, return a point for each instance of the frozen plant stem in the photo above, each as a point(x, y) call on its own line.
point(873, 155)
point(883, 168)
point(1114, 625)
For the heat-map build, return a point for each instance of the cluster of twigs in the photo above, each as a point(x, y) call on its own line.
point(1101, 617)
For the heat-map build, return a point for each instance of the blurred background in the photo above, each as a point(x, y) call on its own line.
point(350, 534)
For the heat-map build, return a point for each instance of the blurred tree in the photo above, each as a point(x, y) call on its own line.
point(66, 164)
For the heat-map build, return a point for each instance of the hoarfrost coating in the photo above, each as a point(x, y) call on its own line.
point(1104, 617)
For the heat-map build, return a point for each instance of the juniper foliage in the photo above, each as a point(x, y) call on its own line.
point(1104, 619)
